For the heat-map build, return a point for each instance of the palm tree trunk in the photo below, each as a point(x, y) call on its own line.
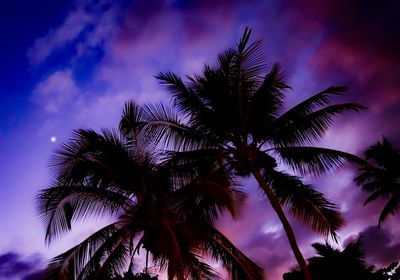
point(286, 225)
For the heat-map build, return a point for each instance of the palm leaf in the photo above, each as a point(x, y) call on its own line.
point(382, 177)
point(164, 128)
point(306, 204)
point(305, 107)
point(198, 270)
point(114, 263)
point(391, 207)
point(315, 160)
point(208, 196)
point(267, 102)
point(184, 98)
point(249, 59)
point(65, 265)
point(233, 260)
point(59, 206)
point(91, 155)
point(311, 127)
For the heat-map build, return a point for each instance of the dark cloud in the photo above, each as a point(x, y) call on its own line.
point(14, 265)
point(39, 275)
point(381, 246)
point(359, 48)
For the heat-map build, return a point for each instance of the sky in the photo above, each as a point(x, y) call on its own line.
point(72, 64)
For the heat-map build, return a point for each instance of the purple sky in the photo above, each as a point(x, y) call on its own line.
point(73, 65)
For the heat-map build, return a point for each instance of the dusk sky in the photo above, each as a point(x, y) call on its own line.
point(66, 65)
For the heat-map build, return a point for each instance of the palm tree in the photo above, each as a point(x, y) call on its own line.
point(332, 264)
point(233, 115)
point(382, 178)
point(162, 208)
point(346, 264)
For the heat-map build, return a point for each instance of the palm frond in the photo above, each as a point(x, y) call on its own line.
point(249, 58)
point(91, 155)
point(305, 204)
point(375, 195)
point(198, 270)
point(70, 263)
point(225, 60)
point(318, 100)
point(391, 207)
point(208, 196)
point(91, 266)
point(267, 102)
point(164, 128)
point(233, 260)
point(310, 127)
point(315, 160)
point(59, 206)
point(324, 250)
point(382, 177)
point(131, 121)
point(188, 165)
point(370, 178)
point(114, 263)
point(187, 101)
point(384, 154)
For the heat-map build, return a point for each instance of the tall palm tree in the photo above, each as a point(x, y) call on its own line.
point(382, 178)
point(162, 208)
point(233, 115)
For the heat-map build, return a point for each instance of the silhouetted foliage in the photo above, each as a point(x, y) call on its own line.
point(163, 208)
point(391, 272)
point(138, 276)
point(348, 264)
point(382, 177)
point(233, 115)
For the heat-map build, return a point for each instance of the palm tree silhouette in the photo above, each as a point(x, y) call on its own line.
point(164, 208)
point(333, 264)
point(232, 115)
point(382, 178)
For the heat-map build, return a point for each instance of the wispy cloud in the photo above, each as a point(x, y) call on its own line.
point(68, 32)
point(381, 246)
point(86, 26)
point(56, 91)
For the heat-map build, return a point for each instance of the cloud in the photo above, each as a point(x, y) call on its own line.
point(381, 246)
point(359, 49)
point(86, 26)
point(15, 266)
point(71, 28)
point(56, 90)
point(39, 275)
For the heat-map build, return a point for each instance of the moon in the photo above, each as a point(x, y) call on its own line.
point(53, 139)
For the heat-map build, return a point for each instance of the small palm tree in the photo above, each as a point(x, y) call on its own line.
point(333, 264)
point(233, 115)
point(382, 178)
point(163, 208)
